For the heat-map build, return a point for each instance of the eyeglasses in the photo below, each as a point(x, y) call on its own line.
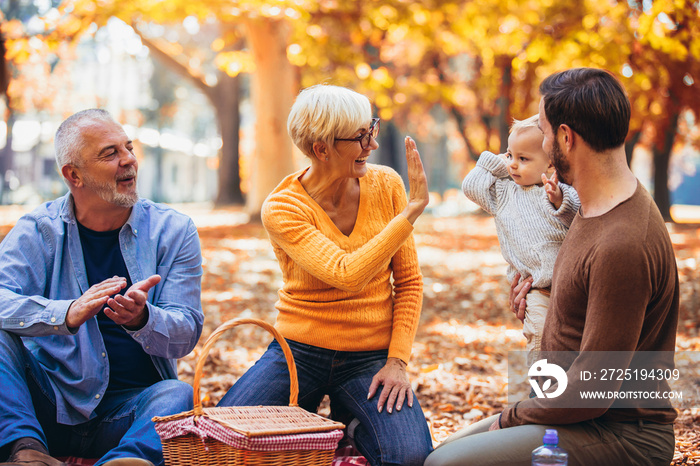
point(364, 139)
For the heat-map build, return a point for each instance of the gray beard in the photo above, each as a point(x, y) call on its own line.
point(108, 192)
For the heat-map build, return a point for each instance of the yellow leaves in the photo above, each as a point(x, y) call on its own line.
point(531, 17)
point(234, 63)
point(12, 29)
point(538, 50)
point(397, 32)
point(314, 30)
point(450, 43)
point(381, 76)
point(640, 104)
point(509, 24)
point(430, 368)
point(487, 57)
point(17, 51)
point(20, 48)
point(363, 70)
point(383, 101)
point(695, 49)
point(71, 26)
point(388, 12)
point(80, 6)
point(589, 21)
point(672, 47)
point(295, 55)
point(218, 44)
point(356, 37)
point(678, 51)
point(421, 17)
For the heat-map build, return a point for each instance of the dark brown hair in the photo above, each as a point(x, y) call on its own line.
point(590, 101)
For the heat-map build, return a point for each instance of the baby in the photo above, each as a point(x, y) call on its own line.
point(533, 212)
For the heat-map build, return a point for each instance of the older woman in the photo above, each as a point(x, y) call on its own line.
point(341, 230)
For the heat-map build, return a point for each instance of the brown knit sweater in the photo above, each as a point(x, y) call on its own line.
point(338, 292)
point(615, 288)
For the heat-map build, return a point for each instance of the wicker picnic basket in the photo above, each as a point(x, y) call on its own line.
point(248, 435)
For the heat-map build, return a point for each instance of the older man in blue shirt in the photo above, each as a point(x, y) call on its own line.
point(99, 294)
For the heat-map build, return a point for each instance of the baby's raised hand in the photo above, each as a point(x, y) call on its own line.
point(551, 187)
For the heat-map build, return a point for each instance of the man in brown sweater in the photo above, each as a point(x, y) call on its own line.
point(614, 290)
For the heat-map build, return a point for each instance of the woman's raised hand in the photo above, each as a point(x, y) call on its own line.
point(418, 182)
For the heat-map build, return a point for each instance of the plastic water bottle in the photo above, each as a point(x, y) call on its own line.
point(549, 453)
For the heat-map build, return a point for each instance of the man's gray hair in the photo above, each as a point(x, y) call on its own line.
point(68, 141)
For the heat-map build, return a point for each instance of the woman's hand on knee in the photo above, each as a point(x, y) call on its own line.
point(397, 387)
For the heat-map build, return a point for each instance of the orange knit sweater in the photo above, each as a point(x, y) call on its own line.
point(338, 292)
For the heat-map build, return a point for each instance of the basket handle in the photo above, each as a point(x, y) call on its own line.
point(294, 382)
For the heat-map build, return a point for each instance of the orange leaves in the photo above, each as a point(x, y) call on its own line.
point(236, 62)
point(458, 368)
point(12, 29)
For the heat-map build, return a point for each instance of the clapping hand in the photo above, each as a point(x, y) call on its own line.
point(92, 301)
point(129, 309)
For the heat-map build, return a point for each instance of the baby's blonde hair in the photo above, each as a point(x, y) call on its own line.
point(324, 112)
point(521, 125)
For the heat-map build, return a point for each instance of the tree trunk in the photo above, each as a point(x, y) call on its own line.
point(504, 102)
point(6, 156)
point(227, 93)
point(274, 87)
point(225, 100)
point(630, 144)
point(6, 152)
point(462, 125)
point(662, 157)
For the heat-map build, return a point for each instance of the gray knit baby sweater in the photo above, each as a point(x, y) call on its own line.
point(530, 230)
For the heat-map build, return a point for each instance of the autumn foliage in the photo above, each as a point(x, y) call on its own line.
point(459, 363)
point(478, 62)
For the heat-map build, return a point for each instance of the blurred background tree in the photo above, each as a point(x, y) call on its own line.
point(24, 65)
point(453, 73)
point(662, 68)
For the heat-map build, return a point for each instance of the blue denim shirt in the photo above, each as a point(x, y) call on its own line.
point(42, 272)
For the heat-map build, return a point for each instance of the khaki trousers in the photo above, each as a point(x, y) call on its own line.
point(533, 325)
point(589, 443)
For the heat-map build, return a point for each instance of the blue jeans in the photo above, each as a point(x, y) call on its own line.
point(122, 425)
point(398, 438)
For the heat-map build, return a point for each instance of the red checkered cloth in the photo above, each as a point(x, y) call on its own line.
point(345, 456)
point(206, 428)
point(349, 456)
point(75, 461)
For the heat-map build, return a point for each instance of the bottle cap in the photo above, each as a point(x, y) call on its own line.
point(550, 437)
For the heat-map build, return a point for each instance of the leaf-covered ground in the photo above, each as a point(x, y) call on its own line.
point(459, 365)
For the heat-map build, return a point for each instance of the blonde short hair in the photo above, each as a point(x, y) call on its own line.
point(521, 125)
point(324, 112)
